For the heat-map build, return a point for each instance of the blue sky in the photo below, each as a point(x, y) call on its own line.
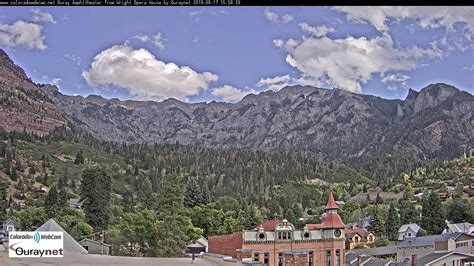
point(223, 53)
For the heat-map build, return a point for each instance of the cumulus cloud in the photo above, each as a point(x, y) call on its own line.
point(144, 76)
point(156, 39)
point(397, 77)
point(230, 93)
point(275, 18)
point(318, 31)
point(347, 63)
point(287, 18)
point(274, 83)
point(41, 16)
point(55, 81)
point(426, 17)
point(74, 58)
point(22, 33)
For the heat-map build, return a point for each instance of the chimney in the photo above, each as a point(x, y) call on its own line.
point(413, 260)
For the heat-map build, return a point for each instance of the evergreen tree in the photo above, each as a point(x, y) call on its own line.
point(79, 157)
point(408, 214)
point(18, 166)
point(13, 174)
point(3, 201)
point(378, 199)
point(432, 215)
point(172, 235)
point(193, 194)
point(95, 191)
point(393, 222)
point(376, 224)
point(127, 200)
point(460, 210)
point(51, 204)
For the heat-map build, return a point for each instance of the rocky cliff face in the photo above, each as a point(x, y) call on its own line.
point(435, 123)
point(23, 105)
point(432, 124)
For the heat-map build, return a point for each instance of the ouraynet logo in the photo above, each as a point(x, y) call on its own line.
point(35, 244)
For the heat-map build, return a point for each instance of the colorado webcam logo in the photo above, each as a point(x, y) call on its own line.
point(26, 244)
point(37, 237)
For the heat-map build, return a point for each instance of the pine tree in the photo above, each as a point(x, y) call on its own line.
point(193, 195)
point(51, 203)
point(95, 191)
point(79, 157)
point(3, 201)
point(432, 214)
point(393, 222)
point(377, 225)
point(378, 199)
point(172, 235)
point(13, 174)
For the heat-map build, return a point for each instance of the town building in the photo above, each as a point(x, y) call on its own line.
point(359, 238)
point(96, 247)
point(75, 203)
point(422, 246)
point(408, 231)
point(459, 228)
point(277, 242)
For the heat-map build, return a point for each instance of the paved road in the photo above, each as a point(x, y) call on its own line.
point(89, 259)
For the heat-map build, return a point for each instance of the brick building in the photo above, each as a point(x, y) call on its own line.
point(276, 242)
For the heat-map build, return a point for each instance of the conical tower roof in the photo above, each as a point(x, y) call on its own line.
point(331, 203)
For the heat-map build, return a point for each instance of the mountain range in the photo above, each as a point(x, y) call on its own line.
point(433, 124)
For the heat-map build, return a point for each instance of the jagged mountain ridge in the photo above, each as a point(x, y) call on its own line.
point(23, 106)
point(432, 124)
point(435, 123)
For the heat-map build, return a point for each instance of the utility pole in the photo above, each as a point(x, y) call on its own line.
point(102, 242)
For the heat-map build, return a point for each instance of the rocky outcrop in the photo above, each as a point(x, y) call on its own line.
point(23, 105)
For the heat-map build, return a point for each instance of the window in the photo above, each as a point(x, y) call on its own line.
point(371, 239)
point(356, 238)
point(284, 235)
point(328, 258)
point(266, 258)
point(338, 257)
point(256, 256)
point(280, 259)
point(311, 258)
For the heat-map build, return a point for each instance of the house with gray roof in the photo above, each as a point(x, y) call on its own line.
point(408, 231)
point(422, 246)
point(459, 228)
point(445, 258)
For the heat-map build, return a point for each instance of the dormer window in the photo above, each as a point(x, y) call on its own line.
point(284, 230)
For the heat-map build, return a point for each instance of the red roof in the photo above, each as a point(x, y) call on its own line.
point(360, 231)
point(269, 225)
point(331, 220)
point(331, 204)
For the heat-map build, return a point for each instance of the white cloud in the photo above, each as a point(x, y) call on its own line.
point(144, 76)
point(426, 17)
point(347, 63)
point(142, 37)
point(287, 18)
point(470, 68)
point(40, 16)
point(397, 77)
point(230, 94)
point(55, 81)
point(74, 58)
point(318, 31)
point(278, 43)
point(193, 14)
point(156, 39)
point(274, 83)
point(271, 16)
point(22, 33)
point(275, 18)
